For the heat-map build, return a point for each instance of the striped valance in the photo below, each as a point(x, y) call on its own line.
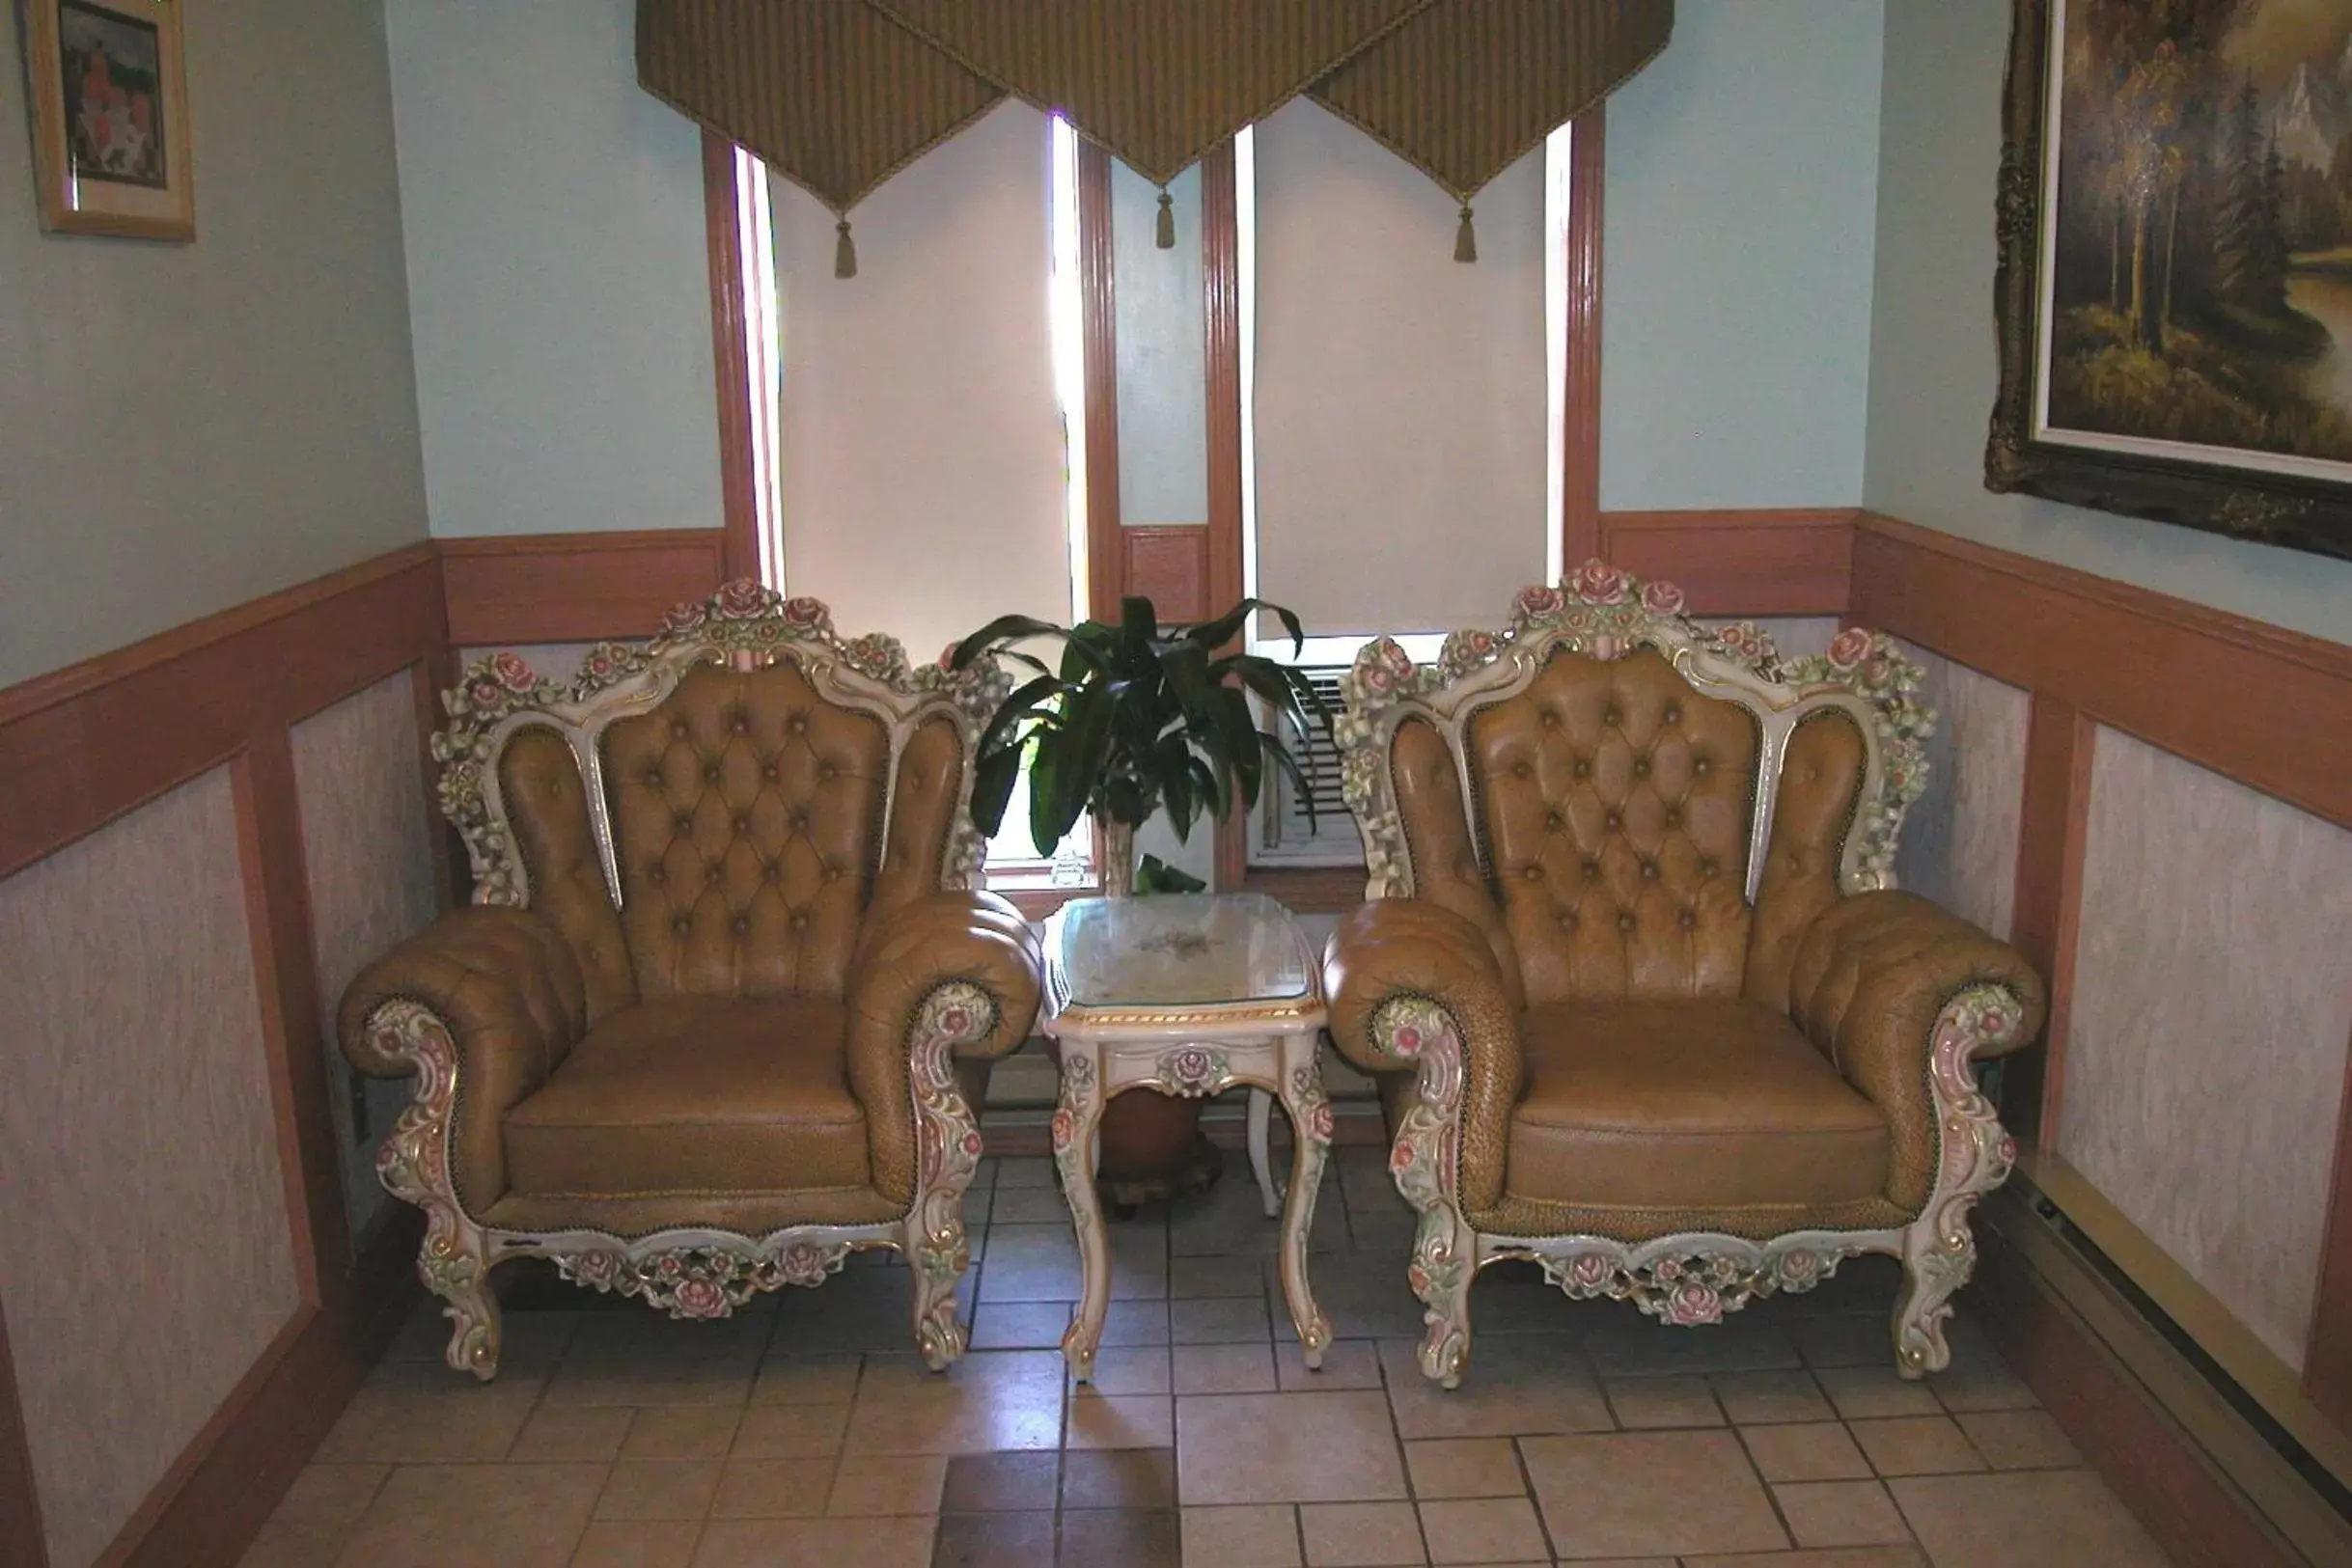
point(839, 95)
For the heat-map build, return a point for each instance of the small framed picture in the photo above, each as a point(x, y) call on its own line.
point(110, 117)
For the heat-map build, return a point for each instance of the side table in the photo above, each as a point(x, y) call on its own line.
point(1189, 995)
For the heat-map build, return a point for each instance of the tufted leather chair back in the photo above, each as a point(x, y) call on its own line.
point(1614, 802)
point(747, 829)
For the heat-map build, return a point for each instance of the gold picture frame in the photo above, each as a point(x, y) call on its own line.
point(111, 149)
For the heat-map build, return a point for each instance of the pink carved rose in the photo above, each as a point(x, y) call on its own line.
point(956, 1019)
point(972, 1145)
point(701, 1298)
point(1692, 1303)
point(1798, 1269)
point(947, 656)
point(2008, 1149)
point(596, 1267)
point(1406, 1042)
point(1661, 598)
point(487, 694)
point(1590, 1270)
point(1596, 581)
point(1850, 647)
point(1191, 1065)
point(682, 617)
point(1418, 1278)
point(511, 673)
point(803, 1264)
point(1666, 1271)
point(1535, 600)
point(1062, 1125)
point(1401, 1156)
point(1318, 1120)
point(807, 611)
point(741, 600)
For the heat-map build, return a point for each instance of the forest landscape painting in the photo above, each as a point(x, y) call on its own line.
point(2176, 291)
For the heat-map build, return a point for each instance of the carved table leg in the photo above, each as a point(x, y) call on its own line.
point(1261, 1162)
point(1309, 1110)
point(1073, 1130)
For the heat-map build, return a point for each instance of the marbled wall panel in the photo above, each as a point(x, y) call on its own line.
point(367, 843)
point(150, 1252)
point(1960, 844)
point(2212, 1003)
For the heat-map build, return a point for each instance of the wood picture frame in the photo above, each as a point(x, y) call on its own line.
point(112, 152)
point(2166, 298)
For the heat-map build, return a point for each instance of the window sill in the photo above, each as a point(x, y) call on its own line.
point(1037, 900)
point(1309, 890)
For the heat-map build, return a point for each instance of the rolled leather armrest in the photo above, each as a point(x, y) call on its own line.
point(508, 986)
point(1873, 972)
point(1395, 948)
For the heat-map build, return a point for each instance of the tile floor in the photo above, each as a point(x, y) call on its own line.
point(805, 1433)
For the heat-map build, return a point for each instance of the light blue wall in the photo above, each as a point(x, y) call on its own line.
point(557, 279)
point(1934, 359)
point(1741, 208)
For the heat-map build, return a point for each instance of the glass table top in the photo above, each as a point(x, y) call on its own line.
point(1180, 949)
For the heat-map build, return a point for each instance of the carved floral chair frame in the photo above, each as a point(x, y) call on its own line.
point(692, 1272)
point(1688, 1277)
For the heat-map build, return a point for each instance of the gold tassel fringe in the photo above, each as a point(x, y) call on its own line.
point(844, 251)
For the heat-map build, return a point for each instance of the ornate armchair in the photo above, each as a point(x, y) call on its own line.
point(1642, 1002)
point(725, 1001)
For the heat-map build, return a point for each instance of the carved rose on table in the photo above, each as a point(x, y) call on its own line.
point(1850, 647)
point(1063, 1123)
point(1191, 1066)
point(1318, 1121)
point(701, 1298)
point(1598, 582)
point(1691, 1304)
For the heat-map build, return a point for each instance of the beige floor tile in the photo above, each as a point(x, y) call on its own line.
point(476, 1516)
point(1135, 1323)
point(1139, 1261)
point(659, 1489)
point(830, 1543)
point(1348, 1363)
point(1219, 1320)
point(330, 1494)
point(1989, 1384)
point(1841, 1513)
point(457, 1425)
point(1864, 1394)
point(2019, 1440)
point(1515, 1385)
point(1261, 1535)
point(1667, 1401)
point(1847, 1340)
point(1245, 1368)
point(1917, 1445)
point(666, 1543)
point(1287, 1447)
point(1755, 1398)
point(1128, 1369)
point(1030, 1205)
point(286, 1544)
point(683, 1432)
point(791, 1431)
point(985, 1402)
point(1630, 1343)
point(2024, 1518)
point(1806, 1451)
point(806, 1379)
point(1361, 1534)
point(1464, 1468)
point(896, 1484)
point(1020, 1325)
point(1627, 1494)
point(1489, 1529)
point(1190, 1278)
point(1031, 1263)
point(1829, 1556)
point(1118, 1420)
point(772, 1487)
point(1027, 1171)
point(579, 1433)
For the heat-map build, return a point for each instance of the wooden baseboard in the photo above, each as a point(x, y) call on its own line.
point(212, 1504)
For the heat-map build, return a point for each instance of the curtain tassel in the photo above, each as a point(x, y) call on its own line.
point(1165, 236)
point(844, 251)
point(1465, 238)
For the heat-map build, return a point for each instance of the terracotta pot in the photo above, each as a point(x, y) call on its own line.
point(1147, 1137)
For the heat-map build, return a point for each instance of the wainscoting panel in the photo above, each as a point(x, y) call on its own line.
point(367, 845)
point(1959, 842)
point(150, 1255)
point(555, 661)
point(2212, 1003)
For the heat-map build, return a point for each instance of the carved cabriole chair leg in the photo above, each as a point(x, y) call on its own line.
point(413, 1165)
point(1425, 1161)
point(1974, 1157)
point(948, 1150)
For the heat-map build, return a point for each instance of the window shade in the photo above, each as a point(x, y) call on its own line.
point(1400, 395)
point(919, 453)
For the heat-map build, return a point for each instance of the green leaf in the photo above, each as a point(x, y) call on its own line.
point(1217, 633)
point(1238, 731)
point(992, 781)
point(1155, 876)
point(1002, 630)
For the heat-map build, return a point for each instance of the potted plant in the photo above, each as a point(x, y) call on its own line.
point(1136, 718)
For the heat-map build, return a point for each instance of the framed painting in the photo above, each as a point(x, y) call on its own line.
point(2175, 294)
point(110, 117)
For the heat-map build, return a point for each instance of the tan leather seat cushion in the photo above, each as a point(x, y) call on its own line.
point(1695, 1103)
point(696, 1094)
